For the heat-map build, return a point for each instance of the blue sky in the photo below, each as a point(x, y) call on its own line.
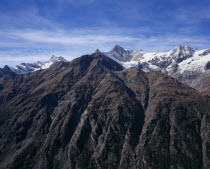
point(33, 30)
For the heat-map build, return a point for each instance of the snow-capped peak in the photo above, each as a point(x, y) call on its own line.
point(119, 53)
point(182, 50)
point(181, 53)
point(54, 58)
point(31, 67)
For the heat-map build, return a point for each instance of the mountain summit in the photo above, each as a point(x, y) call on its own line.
point(119, 53)
point(55, 59)
point(181, 53)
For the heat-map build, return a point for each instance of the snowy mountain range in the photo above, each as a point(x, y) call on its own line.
point(31, 67)
point(181, 58)
point(183, 62)
point(178, 60)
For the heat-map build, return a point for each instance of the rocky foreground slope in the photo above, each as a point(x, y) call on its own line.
point(93, 113)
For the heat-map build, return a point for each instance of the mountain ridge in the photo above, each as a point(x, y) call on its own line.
point(97, 114)
point(188, 65)
point(120, 54)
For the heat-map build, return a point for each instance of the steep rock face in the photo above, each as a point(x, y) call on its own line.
point(120, 54)
point(207, 66)
point(181, 53)
point(92, 113)
point(172, 125)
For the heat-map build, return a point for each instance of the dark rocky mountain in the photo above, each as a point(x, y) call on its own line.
point(92, 113)
point(6, 71)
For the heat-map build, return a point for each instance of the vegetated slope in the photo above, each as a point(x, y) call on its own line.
point(92, 113)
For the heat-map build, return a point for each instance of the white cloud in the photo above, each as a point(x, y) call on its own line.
point(94, 38)
point(39, 43)
point(66, 38)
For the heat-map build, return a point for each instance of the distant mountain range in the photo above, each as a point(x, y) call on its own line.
point(188, 65)
point(32, 67)
point(179, 60)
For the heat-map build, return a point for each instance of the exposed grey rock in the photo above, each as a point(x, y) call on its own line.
point(181, 53)
point(206, 52)
point(207, 66)
point(120, 53)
